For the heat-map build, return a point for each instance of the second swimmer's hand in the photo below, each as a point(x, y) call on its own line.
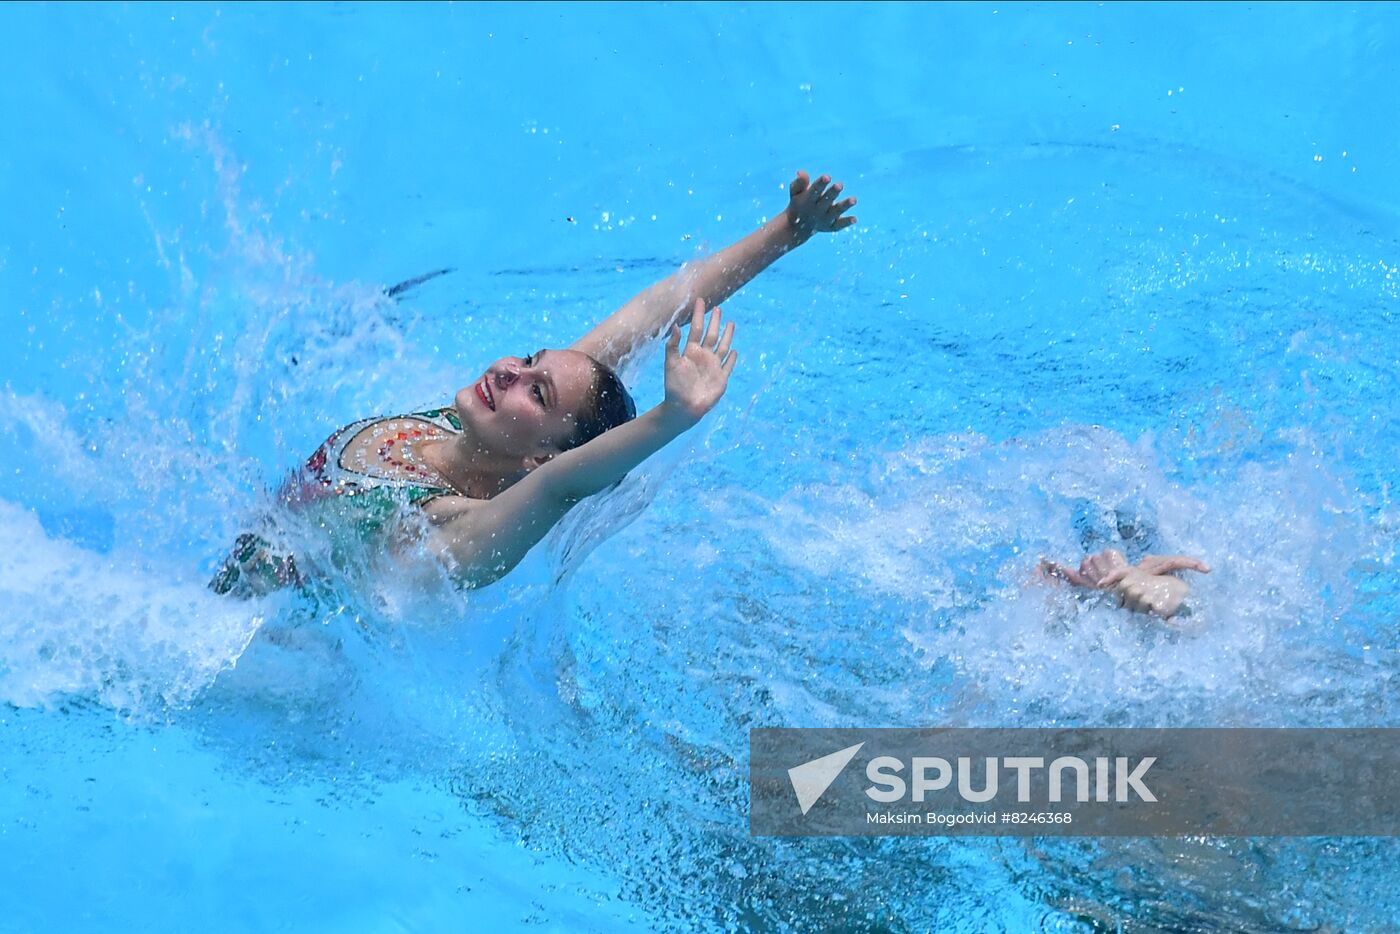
point(698, 374)
point(1150, 587)
point(1092, 570)
point(1158, 594)
point(814, 207)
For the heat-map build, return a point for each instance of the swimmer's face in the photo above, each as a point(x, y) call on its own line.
point(527, 407)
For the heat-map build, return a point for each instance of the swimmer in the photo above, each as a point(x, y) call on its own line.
point(496, 469)
point(1150, 586)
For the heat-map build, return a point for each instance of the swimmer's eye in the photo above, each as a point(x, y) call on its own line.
point(538, 391)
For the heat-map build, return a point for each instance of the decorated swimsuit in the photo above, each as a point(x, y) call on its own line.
point(344, 486)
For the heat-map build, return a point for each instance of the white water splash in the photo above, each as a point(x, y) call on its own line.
point(958, 526)
point(114, 627)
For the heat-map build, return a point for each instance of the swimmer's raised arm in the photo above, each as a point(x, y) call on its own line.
point(813, 207)
point(484, 539)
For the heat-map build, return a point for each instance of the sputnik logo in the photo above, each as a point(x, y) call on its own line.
point(810, 780)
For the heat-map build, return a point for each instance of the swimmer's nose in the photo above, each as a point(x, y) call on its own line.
point(507, 374)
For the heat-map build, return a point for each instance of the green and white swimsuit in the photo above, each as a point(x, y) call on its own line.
point(349, 488)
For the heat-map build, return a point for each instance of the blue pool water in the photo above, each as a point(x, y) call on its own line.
point(1115, 264)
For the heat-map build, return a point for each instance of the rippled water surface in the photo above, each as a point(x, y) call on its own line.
point(1078, 311)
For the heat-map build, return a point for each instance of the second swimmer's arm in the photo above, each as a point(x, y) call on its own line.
point(1148, 587)
point(484, 539)
point(812, 208)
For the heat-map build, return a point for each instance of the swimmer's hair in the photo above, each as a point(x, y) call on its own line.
point(608, 405)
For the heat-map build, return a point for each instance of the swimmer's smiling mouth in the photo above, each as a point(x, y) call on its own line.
point(483, 392)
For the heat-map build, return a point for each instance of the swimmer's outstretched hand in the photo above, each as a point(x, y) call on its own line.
point(697, 376)
point(1158, 594)
point(1163, 564)
point(1092, 570)
point(814, 208)
point(1148, 587)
